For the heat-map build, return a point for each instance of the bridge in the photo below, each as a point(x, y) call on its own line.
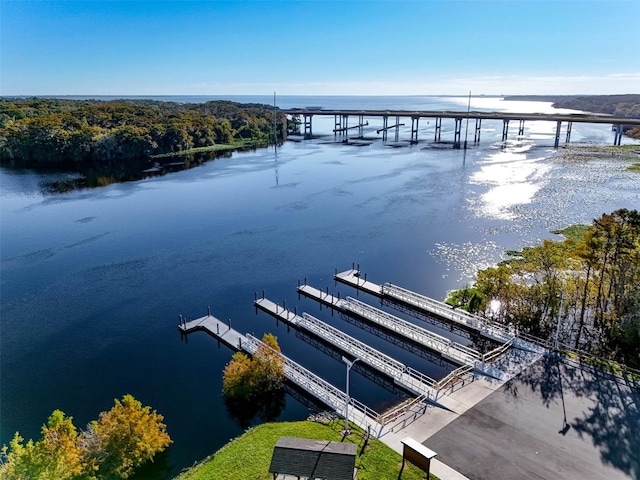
point(341, 120)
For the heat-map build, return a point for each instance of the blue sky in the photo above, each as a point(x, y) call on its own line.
point(319, 47)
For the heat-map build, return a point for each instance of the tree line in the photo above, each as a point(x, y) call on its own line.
point(81, 134)
point(111, 447)
point(584, 290)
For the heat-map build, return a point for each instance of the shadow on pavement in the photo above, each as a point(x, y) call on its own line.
point(612, 422)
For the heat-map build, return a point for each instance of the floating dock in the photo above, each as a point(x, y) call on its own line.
point(451, 351)
point(488, 329)
point(333, 397)
point(407, 377)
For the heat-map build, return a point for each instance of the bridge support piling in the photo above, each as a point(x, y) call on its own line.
point(337, 120)
point(618, 135)
point(476, 135)
point(438, 128)
point(568, 138)
point(361, 126)
point(521, 128)
point(307, 125)
point(397, 138)
point(456, 133)
point(414, 129)
point(557, 141)
point(345, 120)
point(505, 129)
point(385, 126)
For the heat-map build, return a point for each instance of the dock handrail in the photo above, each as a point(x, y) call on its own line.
point(401, 409)
point(326, 392)
point(352, 345)
point(410, 330)
point(446, 311)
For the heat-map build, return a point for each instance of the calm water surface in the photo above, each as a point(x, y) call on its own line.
point(93, 280)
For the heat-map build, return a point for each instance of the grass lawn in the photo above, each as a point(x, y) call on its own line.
point(635, 167)
point(248, 457)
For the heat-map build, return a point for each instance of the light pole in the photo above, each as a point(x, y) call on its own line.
point(555, 343)
point(346, 407)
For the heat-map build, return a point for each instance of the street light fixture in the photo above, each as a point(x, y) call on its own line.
point(350, 363)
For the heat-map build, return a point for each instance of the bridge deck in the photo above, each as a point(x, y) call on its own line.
point(562, 117)
point(451, 351)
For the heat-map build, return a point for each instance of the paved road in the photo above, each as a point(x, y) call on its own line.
point(554, 421)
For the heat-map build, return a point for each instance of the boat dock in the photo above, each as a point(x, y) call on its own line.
point(488, 329)
point(333, 397)
point(407, 377)
point(451, 351)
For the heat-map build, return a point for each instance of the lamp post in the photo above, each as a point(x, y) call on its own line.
point(346, 407)
point(555, 342)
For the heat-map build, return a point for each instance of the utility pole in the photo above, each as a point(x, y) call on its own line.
point(466, 128)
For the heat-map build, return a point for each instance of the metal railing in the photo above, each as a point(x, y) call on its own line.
point(446, 311)
point(391, 415)
point(418, 334)
point(495, 353)
point(318, 387)
point(454, 376)
point(357, 348)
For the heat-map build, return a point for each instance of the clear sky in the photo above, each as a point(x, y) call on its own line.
point(319, 47)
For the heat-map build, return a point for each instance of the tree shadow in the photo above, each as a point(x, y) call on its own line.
point(612, 422)
point(266, 407)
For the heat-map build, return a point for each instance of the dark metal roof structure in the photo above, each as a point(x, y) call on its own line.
point(317, 459)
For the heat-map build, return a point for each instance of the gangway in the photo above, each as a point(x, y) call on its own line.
point(404, 376)
point(452, 351)
point(488, 329)
point(333, 397)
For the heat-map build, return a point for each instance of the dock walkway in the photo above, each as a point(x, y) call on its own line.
point(451, 351)
point(333, 397)
point(488, 329)
point(405, 376)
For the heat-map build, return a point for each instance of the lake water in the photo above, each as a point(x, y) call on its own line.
point(93, 281)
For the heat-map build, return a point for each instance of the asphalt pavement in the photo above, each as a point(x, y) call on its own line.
point(556, 420)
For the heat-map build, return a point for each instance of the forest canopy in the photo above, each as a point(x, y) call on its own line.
point(585, 290)
point(77, 135)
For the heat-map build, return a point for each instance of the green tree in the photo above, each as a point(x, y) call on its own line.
point(248, 378)
point(57, 456)
point(124, 438)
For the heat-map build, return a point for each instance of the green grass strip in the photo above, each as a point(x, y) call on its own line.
point(244, 143)
point(248, 457)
